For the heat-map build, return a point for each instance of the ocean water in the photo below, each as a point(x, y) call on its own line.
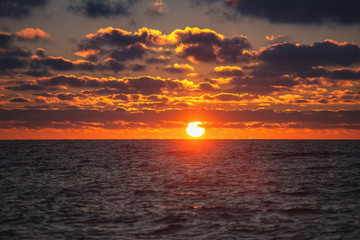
point(180, 189)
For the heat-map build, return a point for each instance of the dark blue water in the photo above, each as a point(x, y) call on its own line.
point(180, 189)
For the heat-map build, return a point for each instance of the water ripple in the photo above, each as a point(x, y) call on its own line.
point(180, 189)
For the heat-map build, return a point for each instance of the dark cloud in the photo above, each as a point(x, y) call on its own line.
point(147, 85)
point(121, 86)
point(56, 63)
point(136, 85)
point(344, 119)
point(339, 74)
point(113, 65)
point(323, 101)
point(15, 52)
point(138, 68)
point(37, 73)
point(199, 36)
point(200, 53)
point(260, 80)
point(298, 12)
point(37, 107)
point(232, 50)
point(301, 101)
point(19, 8)
point(204, 45)
point(268, 81)
point(40, 52)
point(345, 74)
point(281, 64)
point(5, 39)
point(321, 53)
point(132, 52)
point(9, 62)
point(102, 91)
point(262, 84)
point(255, 89)
point(45, 94)
point(61, 80)
point(351, 98)
point(11, 57)
point(25, 87)
point(157, 98)
point(101, 8)
point(158, 60)
point(37, 70)
point(121, 97)
point(118, 37)
point(61, 64)
point(18, 100)
point(86, 65)
point(207, 87)
point(66, 96)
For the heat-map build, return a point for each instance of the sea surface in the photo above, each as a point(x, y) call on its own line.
point(180, 189)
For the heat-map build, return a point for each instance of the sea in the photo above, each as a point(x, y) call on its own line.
point(180, 189)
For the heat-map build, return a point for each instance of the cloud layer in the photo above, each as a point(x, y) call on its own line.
point(295, 12)
point(117, 79)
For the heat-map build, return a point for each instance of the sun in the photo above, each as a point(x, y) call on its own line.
point(194, 130)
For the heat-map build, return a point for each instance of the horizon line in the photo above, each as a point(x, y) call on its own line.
point(127, 139)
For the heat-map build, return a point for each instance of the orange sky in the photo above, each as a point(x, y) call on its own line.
point(146, 69)
point(177, 133)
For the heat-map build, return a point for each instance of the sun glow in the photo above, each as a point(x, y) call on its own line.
point(194, 130)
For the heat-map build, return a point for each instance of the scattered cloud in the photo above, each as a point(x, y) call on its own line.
point(157, 8)
point(32, 34)
point(88, 53)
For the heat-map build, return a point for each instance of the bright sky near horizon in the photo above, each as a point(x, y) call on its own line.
point(145, 69)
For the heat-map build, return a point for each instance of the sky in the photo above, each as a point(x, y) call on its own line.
point(144, 69)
